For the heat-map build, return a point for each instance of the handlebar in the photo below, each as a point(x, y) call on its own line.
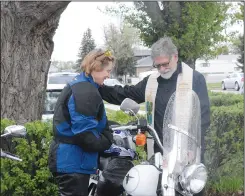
point(7, 155)
point(123, 127)
point(148, 128)
point(153, 132)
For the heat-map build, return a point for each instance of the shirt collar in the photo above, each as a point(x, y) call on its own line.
point(89, 79)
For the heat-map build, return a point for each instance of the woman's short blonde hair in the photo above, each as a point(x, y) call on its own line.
point(96, 60)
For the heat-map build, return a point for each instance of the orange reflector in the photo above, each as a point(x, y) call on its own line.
point(140, 139)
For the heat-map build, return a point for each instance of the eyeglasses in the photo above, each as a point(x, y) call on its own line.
point(158, 66)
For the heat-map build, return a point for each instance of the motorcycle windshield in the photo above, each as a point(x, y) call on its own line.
point(181, 131)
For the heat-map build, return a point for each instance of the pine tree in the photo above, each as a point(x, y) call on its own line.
point(87, 45)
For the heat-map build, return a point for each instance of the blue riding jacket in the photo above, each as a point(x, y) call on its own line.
point(80, 128)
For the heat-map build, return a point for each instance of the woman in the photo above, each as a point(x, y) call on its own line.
point(80, 126)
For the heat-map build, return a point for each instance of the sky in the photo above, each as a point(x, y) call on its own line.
point(74, 21)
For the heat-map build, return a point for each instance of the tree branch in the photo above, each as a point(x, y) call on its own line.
point(154, 12)
point(33, 12)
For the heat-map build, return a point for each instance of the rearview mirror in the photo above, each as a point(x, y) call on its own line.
point(130, 106)
point(228, 76)
point(14, 130)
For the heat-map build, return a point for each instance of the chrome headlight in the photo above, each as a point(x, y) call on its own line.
point(193, 178)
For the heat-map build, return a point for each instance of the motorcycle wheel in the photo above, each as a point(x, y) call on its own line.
point(92, 190)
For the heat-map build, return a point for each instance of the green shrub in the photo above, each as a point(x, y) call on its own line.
point(221, 99)
point(224, 142)
point(120, 117)
point(5, 123)
point(31, 176)
point(226, 186)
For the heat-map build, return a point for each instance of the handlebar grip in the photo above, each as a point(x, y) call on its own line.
point(122, 127)
point(4, 154)
point(114, 126)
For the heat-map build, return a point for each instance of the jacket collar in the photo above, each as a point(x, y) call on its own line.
point(88, 78)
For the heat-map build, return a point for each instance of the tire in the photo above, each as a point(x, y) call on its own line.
point(237, 87)
point(92, 190)
point(223, 86)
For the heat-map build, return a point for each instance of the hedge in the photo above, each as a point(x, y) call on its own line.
point(31, 176)
point(221, 99)
point(225, 146)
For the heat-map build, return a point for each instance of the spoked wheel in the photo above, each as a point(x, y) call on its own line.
point(92, 190)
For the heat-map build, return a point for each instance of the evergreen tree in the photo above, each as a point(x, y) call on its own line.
point(87, 45)
point(241, 52)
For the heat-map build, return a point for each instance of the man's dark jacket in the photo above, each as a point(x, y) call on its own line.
point(166, 87)
point(80, 128)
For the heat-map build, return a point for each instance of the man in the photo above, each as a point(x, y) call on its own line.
point(165, 58)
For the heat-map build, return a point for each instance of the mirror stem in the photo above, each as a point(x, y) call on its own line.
point(135, 116)
point(5, 134)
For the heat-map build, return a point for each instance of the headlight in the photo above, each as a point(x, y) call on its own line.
point(193, 178)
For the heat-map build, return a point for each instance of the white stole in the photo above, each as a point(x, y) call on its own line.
point(182, 102)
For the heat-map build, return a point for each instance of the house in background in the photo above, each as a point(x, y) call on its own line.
point(143, 65)
point(222, 64)
point(141, 53)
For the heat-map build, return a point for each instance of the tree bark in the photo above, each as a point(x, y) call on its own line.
point(191, 63)
point(27, 30)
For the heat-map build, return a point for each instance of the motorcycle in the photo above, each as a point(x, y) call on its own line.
point(122, 151)
point(14, 131)
point(177, 170)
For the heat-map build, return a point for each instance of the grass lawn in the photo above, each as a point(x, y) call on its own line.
point(214, 86)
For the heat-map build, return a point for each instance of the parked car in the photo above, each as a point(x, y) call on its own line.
point(52, 93)
point(233, 81)
point(56, 83)
point(60, 77)
point(112, 82)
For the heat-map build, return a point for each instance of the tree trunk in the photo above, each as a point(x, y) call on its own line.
point(27, 30)
point(191, 63)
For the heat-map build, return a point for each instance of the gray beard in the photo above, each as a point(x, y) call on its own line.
point(168, 74)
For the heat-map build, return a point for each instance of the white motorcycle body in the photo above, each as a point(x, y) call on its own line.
point(143, 180)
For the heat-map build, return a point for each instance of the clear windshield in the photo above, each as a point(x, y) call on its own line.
point(181, 131)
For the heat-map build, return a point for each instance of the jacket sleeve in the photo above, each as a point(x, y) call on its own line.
point(116, 94)
point(84, 107)
point(205, 110)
